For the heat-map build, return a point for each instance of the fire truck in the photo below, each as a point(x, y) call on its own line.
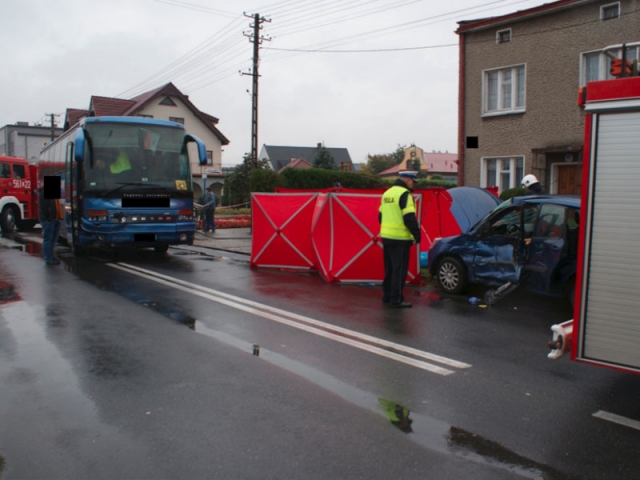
point(605, 329)
point(18, 194)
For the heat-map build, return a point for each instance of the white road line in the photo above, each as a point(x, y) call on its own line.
point(620, 420)
point(277, 316)
point(317, 323)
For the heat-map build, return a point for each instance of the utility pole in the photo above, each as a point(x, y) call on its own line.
point(257, 40)
point(53, 125)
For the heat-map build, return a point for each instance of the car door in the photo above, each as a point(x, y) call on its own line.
point(497, 255)
point(547, 248)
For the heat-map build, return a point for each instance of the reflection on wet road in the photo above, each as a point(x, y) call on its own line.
point(391, 350)
point(505, 407)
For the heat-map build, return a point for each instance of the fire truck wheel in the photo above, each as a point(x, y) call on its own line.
point(8, 219)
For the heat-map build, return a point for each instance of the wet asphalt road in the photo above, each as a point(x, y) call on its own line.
point(149, 366)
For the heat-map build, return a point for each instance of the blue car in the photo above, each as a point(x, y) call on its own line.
point(531, 242)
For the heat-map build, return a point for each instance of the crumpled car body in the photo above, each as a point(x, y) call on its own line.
point(531, 241)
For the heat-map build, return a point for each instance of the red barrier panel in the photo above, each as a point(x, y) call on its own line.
point(281, 224)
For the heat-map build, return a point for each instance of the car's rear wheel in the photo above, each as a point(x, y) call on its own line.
point(451, 275)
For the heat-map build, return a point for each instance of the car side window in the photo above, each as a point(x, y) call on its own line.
point(551, 222)
point(5, 170)
point(506, 223)
point(530, 217)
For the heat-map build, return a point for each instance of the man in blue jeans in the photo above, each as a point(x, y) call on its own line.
point(49, 215)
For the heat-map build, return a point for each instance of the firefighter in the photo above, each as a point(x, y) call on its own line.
point(399, 230)
point(532, 185)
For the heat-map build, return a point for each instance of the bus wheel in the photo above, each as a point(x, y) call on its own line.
point(8, 219)
point(161, 248)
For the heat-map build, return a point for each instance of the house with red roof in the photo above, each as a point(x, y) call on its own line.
point(167, 103)
point(428, 164)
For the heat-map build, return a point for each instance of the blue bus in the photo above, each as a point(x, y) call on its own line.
point(126, 182)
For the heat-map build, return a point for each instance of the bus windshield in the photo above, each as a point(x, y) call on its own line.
point(122, 155)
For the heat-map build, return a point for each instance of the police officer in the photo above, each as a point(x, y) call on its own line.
point(532, 185)
point(399, 230)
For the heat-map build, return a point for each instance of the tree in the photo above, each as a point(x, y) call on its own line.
point(381, 162)
point(398, 155)
point(324, 159)
point(237, 184)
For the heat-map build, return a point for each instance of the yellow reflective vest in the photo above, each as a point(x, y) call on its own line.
point(392, 225)
point(121, 164)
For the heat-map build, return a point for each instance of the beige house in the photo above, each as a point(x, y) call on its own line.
point(428, 164)
point(518, 88)
point(168, 103)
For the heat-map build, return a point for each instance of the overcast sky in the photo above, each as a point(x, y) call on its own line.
point(359, 74)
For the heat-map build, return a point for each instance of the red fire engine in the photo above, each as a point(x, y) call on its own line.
point(605, 330)
point(18, 194)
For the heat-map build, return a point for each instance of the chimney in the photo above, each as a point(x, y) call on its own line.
point(319, 146)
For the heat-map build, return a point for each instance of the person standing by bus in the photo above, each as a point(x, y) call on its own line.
point(209, 211)
point(399, 230)
point(49, 215)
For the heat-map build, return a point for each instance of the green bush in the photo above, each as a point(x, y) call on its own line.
point(317, 178)
point(263, 180)
point(512, 192)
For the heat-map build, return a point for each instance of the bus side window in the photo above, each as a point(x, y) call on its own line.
point(5, 170)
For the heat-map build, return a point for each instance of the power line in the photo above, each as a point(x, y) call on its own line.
point(197, 67)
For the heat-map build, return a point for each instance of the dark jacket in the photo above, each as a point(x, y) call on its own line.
point(410, 220)
point(46, 207)
point(535, 189)
point(209, 201)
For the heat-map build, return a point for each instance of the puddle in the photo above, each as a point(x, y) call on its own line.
point(432, 433)
point(7, 291)
point(17, 243)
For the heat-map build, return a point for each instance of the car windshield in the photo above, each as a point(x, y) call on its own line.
point(123, 155)
point(504, 204)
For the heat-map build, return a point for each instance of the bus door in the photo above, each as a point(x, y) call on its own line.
point(72, 208)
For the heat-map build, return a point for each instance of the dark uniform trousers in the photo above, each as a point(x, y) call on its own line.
point(396, 267)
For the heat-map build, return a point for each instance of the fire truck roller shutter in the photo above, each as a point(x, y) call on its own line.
point(610, 330)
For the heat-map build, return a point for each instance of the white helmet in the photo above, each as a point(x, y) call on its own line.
point(529, 180)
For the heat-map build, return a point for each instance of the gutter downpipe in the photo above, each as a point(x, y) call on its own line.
point(461, 107)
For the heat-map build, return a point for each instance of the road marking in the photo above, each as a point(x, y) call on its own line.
point(326, 330)
point(620, 420)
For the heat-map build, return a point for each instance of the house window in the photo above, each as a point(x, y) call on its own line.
point(209, 157)
point(502, 172)
point(143, 115)
point(608, 12)
point(177, 120)
point(596, 65)
point(168, 101)
point(503, 36)
point(503, 90)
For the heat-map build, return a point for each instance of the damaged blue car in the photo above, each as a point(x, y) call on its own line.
point(530, 242)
